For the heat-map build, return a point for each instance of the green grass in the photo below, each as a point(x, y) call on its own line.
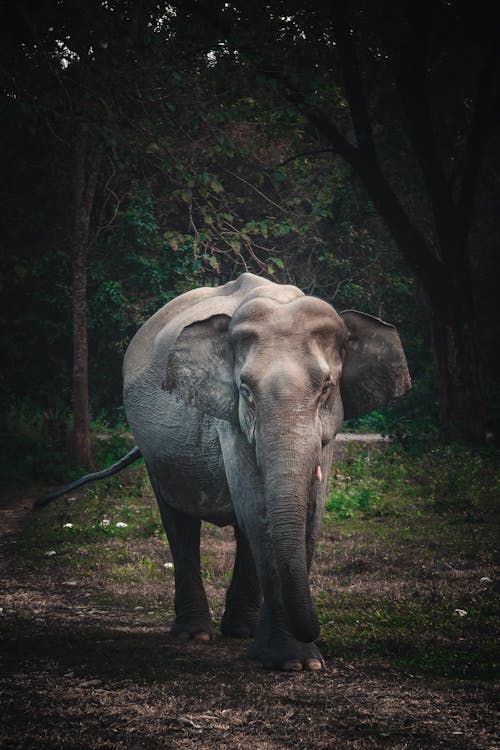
point(428, 524)
point(407, 539)
point(97, 525)
point(415, 636)
point(389, 483)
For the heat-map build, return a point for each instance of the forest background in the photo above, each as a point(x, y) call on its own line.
point(351, 149)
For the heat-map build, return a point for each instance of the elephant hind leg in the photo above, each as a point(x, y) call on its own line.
point(192, 615)
point(243, 598)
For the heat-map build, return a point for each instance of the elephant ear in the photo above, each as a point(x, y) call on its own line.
point(375, 370)
point(200, 368)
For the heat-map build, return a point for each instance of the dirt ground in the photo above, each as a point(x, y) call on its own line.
point(74, 674)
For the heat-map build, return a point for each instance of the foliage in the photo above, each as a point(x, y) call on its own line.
point(369, 483)
point(34, 445)
point(31, 444)
point(210, 166)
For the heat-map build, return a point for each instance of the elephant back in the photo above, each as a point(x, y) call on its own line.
point(150, 346)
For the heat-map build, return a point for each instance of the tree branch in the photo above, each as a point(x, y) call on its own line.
point(363, 159)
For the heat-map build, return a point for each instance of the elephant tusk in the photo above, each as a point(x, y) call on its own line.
point(319, 473)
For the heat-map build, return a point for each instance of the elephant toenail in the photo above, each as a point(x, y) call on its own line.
point(202, 636)
point(314, 665)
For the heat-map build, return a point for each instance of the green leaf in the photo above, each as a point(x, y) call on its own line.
point(216, 186)
point(284, 229)
point(213, 262)
point(277, 262)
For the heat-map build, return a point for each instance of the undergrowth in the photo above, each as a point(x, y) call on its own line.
point(35, 445)
point(453, 477)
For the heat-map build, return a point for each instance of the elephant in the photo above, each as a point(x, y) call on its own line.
point(234, 395)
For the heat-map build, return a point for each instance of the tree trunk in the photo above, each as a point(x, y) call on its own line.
point(80, 436)
point(85, 181)
point(458, 366)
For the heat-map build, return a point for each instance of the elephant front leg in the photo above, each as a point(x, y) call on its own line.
point(192, 615)
point(243, 597)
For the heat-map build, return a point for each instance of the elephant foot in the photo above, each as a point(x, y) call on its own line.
point(192, 632)
point(288, 656)
point(186, 636)
point(312, 665)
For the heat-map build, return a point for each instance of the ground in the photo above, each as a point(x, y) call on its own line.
point(86, 661)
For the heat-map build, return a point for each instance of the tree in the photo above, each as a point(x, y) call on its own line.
point(163, 155)
point(62, 67)
point(448, 106)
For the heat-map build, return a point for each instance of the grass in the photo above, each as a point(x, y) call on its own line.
point(412, 636)
point(424, 532)
point(409, 543)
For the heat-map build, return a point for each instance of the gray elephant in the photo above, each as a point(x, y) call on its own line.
point(234, 396)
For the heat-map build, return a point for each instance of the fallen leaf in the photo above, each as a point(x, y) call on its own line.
point(183, 721)
point(90, 683)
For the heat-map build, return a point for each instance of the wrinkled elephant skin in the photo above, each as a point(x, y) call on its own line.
point(234, 396)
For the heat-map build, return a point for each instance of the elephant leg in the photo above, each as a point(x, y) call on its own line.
point(243, 597)
point(192, 615)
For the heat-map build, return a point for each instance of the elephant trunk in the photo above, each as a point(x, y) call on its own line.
point(291, 479)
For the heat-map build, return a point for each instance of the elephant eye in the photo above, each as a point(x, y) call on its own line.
point(327, 386)
point(246, 393)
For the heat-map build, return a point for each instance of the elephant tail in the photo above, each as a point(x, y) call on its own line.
point(125, 461)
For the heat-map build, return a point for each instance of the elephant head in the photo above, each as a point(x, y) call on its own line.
point(284, 370)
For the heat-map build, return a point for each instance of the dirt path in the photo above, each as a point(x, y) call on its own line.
point(13, 508)
point(75, 673)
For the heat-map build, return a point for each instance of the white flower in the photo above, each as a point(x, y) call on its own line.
point(105, 522)
point(121, 525)
point(68, 526)
point(168, 565)
point(50, 553)
point(460, 612)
